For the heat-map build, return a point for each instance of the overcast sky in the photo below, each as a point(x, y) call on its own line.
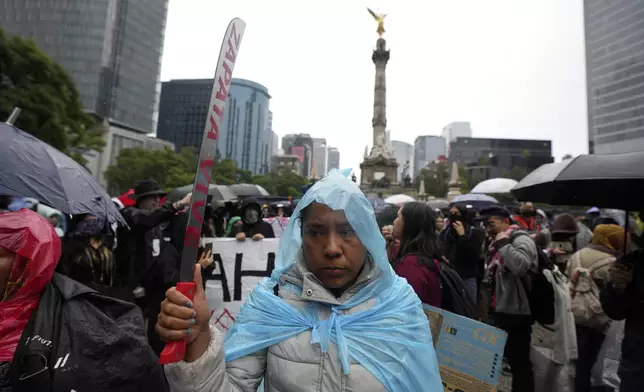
point(513, 68)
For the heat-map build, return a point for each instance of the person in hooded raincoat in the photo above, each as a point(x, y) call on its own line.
point(55, 333)
point(332, 317)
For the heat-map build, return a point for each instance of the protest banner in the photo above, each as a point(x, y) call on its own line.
point(470, 353)
point(234, 273)
point(278, 224)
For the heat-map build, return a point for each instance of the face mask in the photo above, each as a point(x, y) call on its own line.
point(251, 216)
point(456, 218)
point(528, 213)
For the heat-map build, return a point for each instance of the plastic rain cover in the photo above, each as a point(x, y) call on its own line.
point(391, 340)
point(38, 249)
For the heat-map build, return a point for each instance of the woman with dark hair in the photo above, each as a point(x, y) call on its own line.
point(332, 316)
point(87, 257)
point(418, 254)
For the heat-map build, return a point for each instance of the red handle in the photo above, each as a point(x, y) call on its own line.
point(175, 351)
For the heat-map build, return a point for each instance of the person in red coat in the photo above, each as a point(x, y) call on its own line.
point(417, 256)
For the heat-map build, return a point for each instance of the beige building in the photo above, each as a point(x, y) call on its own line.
point(119, 137)
point(286, 162)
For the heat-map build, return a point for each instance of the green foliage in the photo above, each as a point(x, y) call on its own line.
point(517, 173)
point(51, 108)
point(437, 178)
point(226, 172)
point(168, 168)
point(171, 170)
point(285, 183)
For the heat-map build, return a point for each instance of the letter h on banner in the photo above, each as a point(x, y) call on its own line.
point(239, 274)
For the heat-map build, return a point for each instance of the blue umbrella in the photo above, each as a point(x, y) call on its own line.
point(30, 167)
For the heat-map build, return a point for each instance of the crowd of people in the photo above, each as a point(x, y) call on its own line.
point(342, 309)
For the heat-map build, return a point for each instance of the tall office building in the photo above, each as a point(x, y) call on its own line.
point(320, 157)
point(334, 158)
point(111, 48)
point(244, 134)
point(300, 144)
point(273, 147)
point(454, 130)
point(404, 154)
point(427, 149)
point(614, 32)
point(491, 158)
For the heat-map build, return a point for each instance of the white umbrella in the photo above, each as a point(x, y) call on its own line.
point(495, 185)
point(399, 199)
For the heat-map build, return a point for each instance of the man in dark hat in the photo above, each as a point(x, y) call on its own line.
point(512, 255)
point(139, 248)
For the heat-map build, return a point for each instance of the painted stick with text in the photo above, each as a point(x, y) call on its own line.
point(175, 351)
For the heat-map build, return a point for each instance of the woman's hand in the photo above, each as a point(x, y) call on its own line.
point(459, 228)
point(388, 233)
point(241, 236)
point(182, 319)
point(206, 259)
point(258, 237)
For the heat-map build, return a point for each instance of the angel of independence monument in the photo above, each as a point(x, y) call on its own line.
point(378, 169)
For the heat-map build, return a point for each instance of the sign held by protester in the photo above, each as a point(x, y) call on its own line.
point(278, 224)
point(469, 353)
point(237, 268)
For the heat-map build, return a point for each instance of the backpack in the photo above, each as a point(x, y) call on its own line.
point(540, 292)
point(455, 298)
point(584, 293)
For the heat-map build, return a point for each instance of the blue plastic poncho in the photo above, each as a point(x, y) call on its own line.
point(392, 339)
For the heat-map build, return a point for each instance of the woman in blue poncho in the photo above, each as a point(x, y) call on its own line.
point(332, 317)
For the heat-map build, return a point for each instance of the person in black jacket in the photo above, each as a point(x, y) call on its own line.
point(622, 298)
point(139, 249)
point(253, 226)
point(462, 244)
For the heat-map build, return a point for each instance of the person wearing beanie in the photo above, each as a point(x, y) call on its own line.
point(563, 240)
point(607, 244)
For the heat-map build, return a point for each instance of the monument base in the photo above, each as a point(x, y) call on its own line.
point(379, 172)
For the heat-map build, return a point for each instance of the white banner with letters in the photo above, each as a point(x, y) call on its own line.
point(235, 271)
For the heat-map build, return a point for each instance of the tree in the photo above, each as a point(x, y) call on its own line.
point(516, 173)
point(168, 168)
point(51, 106)
point(436, 179)
point(226, 172)
point(284, 183)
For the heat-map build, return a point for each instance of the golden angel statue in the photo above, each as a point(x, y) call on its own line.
point(380, 18)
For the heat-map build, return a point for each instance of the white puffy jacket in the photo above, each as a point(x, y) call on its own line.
point(293, 365)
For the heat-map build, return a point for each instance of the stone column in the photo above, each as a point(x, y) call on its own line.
point(380, 58)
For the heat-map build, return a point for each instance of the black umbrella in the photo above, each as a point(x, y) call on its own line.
point(611, 181)
point(218, 192)
point(32, 168)
point(248, 190)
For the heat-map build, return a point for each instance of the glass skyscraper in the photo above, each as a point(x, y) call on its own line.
point(111, 48)
point(245, 135)
point(614, 32)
